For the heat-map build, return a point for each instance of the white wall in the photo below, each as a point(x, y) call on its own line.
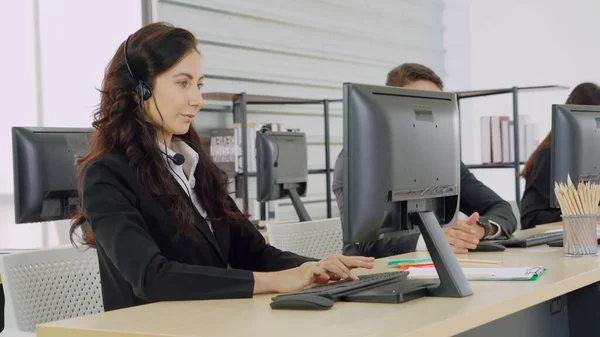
point(488, 44)
point(17, 84)
point(456, 59)
point(521, 43)
point(305, 49)
point(456, 45)
point(77, 40)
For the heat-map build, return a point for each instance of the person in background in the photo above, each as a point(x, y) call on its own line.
point(535, 204)
point(162, 221)
point(490, 216)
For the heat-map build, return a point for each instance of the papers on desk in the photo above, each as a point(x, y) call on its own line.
point(424, 269)
point(484, 274)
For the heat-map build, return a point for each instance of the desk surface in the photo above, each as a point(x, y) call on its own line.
point(422, 317)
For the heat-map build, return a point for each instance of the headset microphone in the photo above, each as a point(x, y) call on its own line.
point(178, 159)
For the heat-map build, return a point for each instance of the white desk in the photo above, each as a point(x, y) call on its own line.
point(489, 308)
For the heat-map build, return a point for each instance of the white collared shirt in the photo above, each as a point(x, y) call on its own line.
point(184, 173)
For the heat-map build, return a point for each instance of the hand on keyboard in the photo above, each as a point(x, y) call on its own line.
point(333, 267)
point(338, 266)
point(334, 289)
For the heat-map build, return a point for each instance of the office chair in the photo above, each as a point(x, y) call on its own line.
point(317, 238)
point(49, 285)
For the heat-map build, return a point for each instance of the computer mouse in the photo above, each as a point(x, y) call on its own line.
point(302, 302)
point(488, 247)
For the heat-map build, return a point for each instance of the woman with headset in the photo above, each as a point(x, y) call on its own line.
point(157, 206)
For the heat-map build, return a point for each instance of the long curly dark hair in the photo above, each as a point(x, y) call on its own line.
point(120, 125)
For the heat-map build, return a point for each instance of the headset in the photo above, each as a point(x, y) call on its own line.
point(144, 93)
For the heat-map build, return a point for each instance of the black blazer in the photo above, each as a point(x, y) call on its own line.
point(474, 197)
point(477, 197)
point(140, 262)
point(535, 204)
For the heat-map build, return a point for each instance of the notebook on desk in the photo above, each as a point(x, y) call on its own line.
point(484, 274)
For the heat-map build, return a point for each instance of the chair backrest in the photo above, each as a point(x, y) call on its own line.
point(317, 238)
point(515, 208)
point(50, 284)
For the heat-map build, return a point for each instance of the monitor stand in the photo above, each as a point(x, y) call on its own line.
point(452, 281)
point(292, 190)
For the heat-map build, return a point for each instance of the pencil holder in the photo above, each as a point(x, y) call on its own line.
point(579, 235)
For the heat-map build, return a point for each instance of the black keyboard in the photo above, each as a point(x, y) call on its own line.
point(559, 242)
point(530, 241)
point(394, 292)
point(335, 290)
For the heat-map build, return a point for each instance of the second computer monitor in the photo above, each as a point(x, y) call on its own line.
point(401, 152)
point(402, 164)
point(44, 171)
point(282, 168)
point(575, 145)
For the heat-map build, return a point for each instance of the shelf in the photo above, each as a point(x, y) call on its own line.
point(319, 171)
point(514, 92)
point(240, 102)
point(262, 99)
point(310, 171)
point(239, 108)
point(492, 166)
point(490, 92)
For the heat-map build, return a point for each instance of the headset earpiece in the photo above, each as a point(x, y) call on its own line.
point(142, 88)
point(143, 91)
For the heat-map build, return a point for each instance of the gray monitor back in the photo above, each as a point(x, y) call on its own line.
point(44, 171)
point(575, 146)
point(281, 160)
point(399, 145)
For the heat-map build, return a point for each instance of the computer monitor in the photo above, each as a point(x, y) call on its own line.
point(44, 172)
point(575, 145)
point(401, 165)
point(282, 168)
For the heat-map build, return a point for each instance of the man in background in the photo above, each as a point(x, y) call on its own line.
point(490, 216)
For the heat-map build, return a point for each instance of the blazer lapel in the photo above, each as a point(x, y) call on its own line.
point(221, 230)
point(202, 226)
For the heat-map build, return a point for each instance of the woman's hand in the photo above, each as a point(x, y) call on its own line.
point(332, 267)
point(338, 266)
